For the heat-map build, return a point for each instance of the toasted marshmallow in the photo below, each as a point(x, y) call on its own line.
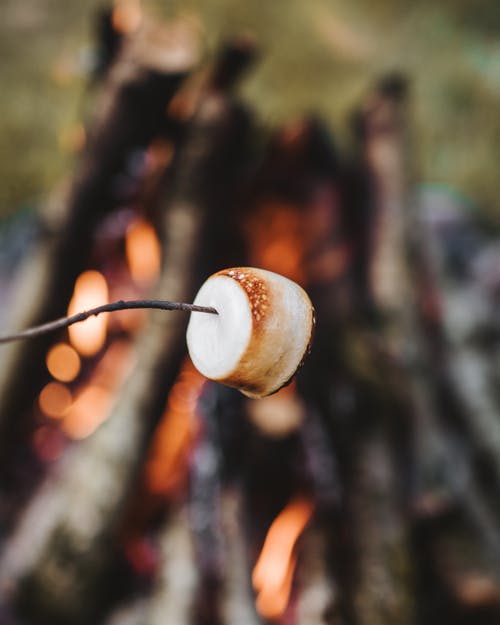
point(261, 334)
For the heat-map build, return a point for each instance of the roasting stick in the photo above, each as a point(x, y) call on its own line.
point(64, 322)
point(262, 332)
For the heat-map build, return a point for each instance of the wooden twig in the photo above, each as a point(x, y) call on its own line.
point(65, 322)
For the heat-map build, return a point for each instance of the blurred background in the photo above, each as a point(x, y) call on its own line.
point(351, 147)
point(318, 56)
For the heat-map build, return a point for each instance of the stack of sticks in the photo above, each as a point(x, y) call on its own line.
point(364, 493)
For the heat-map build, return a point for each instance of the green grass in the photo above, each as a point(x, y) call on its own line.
point(318, 55)
point(41, 42)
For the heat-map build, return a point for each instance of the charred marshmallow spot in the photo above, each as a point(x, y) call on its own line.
point(255, 289)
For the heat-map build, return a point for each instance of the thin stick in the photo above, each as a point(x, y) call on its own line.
point(64, 322)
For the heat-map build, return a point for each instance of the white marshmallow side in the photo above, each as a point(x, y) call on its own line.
point(216, 343)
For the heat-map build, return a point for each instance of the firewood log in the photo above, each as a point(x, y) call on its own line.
point(130, 114)
point(174, 593)
point(442, 466)
point(382, 588)
point(237, 602)
point(81, 552)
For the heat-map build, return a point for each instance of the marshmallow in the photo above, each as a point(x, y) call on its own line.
point(261, 335)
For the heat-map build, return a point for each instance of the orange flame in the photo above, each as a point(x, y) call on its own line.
point(278, 245)
point(54, 400)
point(143, 252)
point(176, 432)
point(273, 573)
point(63, 362)
point(91, 290)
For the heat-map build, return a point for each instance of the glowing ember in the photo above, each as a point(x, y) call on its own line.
point(91, 290)
point(167, 465)
point(63, 362)
point(54, 400)
point(273, 573)
point(143, 252)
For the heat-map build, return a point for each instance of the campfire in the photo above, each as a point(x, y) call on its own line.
point(135, 490)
